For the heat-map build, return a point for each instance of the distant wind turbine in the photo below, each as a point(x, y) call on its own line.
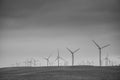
point(17, 64)
point(25, 62)
point(33, 61)
point(38, 62)
point(72, 52)
point(100, 48)
point(47, 59)
point(58, 58)
point(106, 60)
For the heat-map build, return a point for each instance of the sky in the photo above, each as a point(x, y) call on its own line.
point(37, 28)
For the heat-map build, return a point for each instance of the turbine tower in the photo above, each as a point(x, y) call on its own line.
point(100, 48)
point(72, 52)
point(47, 59)
point(58, 58)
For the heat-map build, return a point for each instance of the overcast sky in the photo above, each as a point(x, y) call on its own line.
point(36, 28)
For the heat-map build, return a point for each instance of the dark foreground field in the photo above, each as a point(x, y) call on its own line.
point(61, 73)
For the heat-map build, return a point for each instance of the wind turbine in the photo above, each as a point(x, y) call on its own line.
point(58, 58)
point(106, 60)
point(38, 63)
point(33, 61)
point(25, 62)
point(29, 63)
point(47, 59)
point(100, 48)
point(72, 52)
point(17, 64)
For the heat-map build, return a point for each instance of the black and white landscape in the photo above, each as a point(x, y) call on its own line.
point(59, 40)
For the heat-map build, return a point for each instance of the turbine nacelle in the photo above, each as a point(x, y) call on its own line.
point(72, 52)
point(99, 46)
point(47, 59)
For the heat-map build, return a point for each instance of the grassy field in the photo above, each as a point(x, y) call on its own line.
point(60, 73)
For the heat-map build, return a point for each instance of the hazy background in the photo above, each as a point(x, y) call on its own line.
point(36, 28)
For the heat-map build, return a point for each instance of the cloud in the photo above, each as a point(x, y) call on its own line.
point(60, 17)
point(16, 8)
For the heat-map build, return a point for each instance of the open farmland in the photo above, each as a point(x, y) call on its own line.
point(60, 73)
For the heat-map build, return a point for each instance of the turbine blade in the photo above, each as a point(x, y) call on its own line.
point(48, 61)
point(45, 58)
point(96, 44)
point(49, 56)
point(69, 50)
point(58, 52)
point(105, 46)
point(76, 50)
point(62, 58)
point(56, 59)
